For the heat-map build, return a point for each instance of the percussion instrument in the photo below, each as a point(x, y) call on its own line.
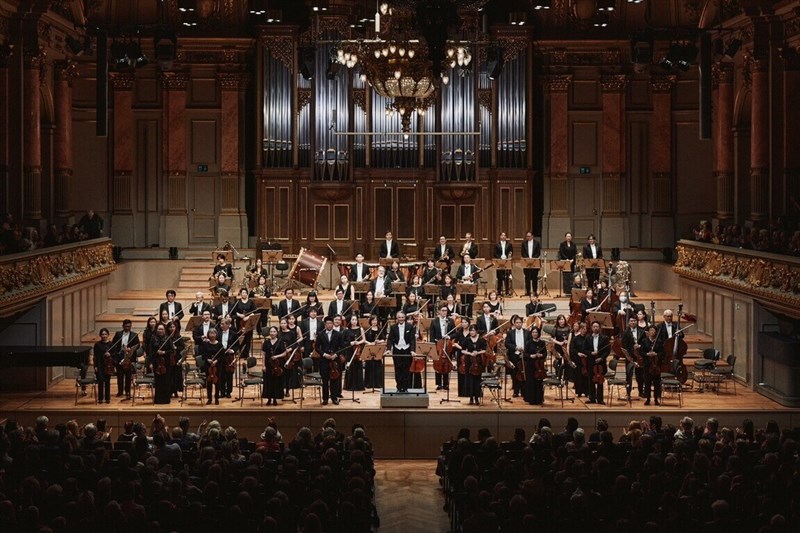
point(620, 275)
point(307, 268)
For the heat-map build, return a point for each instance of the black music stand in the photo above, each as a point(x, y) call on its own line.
point(446, 399)
point(360, 287)
point(561, 265)
point(386, 262)
point(349, 372)
point(271, 258)
point(385, 303)
point(505, 363)
point(194, 321)
point(505, 265)
point(530, 263)
point(372, 352)
point(603, 318)
point(426, 350)
point(466, 289)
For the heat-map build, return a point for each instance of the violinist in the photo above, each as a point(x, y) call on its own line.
point(467, 273)
point(102, 358)
point(487, 322)
point(516, 340)
point(161, 351)
point(579, 363)
point(200, 333)
point(369, 306)
point(223, 308)
point(274, 352)
point(599, 348)
point(474, 349)
point(288, 305)
point(534, 306)
point(431, 274)
point(459, 339)
point(310, 328)
point(245, 307)
point(444, 255)
point(653, 350)
point(229, 340)
point(290, 334)
point(588, 304)
point(450, 304)
point(126, 343)
point(213, 361)
point(448, 288)
point(412, 304)
point(147, 334)
point(442, 327)
point(261, 290)
point(631, 342)
point(223, 267)
point(329, 341)
point(312, 301)
point(164, 319)
point(360, 271)
point(221, 285)
point(402, 342)
point(354, 337)
point(641, 319)
point(416, 288)
point(175, 362)
point(347, 288)
point(495, 305)
point(535, 355)
point(199, 305)
point(339, 306)
point(561, 336)
point(373, 369)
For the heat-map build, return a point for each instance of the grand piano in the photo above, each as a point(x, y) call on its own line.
point(43, 356)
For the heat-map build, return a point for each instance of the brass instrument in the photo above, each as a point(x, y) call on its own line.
point(465, 248)
point(580, 266)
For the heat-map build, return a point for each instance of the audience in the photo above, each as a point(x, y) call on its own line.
point(69, 478)
point(16, 238)
point(652, 478)
point(780, 238)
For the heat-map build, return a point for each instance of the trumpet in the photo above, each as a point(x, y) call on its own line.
point(465, 248)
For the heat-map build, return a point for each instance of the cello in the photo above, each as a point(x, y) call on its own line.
point(444, 365)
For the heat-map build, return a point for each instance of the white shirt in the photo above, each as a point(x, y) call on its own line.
point(594, 251)
point(206, 327)
point(401, 343)
point(595, 342)
point(224, 309)
point(125, 337)
point(444, 248)
point(530, 248)
point(503, 250)
point(339, 306)
point(171, 308)
point(467, 269)
point(224, 337)
point(388, 249)
point(668, 325)
point(379, 285)
point(359, 271)
point(488, 319)
point(312, 329)
point(519, 339)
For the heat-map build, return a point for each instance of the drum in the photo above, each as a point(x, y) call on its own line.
point(620, 275)
point(308, 267)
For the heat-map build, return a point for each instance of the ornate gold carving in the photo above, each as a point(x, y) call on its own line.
point(662, 84)
point(513, 46)
point(281, 48)
point(614, 83)
point(557, 83)
point(359, 98)
point(485, 99)
point(65, 71)
point(775, 279)
point(747, 70)
point(32, 276)
point(303, 98)
point(174, 81)
point(232, 81)
point(122, 81)
point(725, 72)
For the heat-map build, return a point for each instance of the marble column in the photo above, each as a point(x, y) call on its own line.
point(557, 87)
point(174, 170)
point(791, 132)
point(32, 149)
point(123, 130)
point(5, 193)
point(612, 223)
point(233, 215)
point(759, 141)
point(65, 72)
point(662, 226)
point(724, 161)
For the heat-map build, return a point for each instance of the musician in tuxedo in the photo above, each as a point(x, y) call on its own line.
point(382, 288)
point(359, 271)
point(329, 341)
point(175, 309)
point(125, 342)
point(310, 328)
point(340, 306)
point(230, 341)
point(669, 328)
point(534, 356)
point(444, 255)
point(199, 305)
point(223, 308)
point(469, 248)
point(534, 306)
point(223, 266)
point(530, 249)
point(517, 339)
point(487, 322)
point(503, 250)
point(567, 252)
point(389, 248)
point(653, 353)
point(631, 340)
point(592, 251)
point(200, 333)
point(598, 349)
point(245, 307)
point(402, 342)
point(288, 305)
point(442, 327)
point(467, 273)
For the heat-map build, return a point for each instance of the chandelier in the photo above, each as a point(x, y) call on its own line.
point(398, 62)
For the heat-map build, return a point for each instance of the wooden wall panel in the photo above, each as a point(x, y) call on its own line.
point(447, 221)
point(322, 217)
point(303, 203)
point(147, 92)
point(638, 164)
point(285, 213)
point(406, 213)
point(466, 220)
point(584, 143)
point(341, 222)
point(520, 222)
point(505, 210)
point(360, 210)
point(585, 94)
point(383, 208)
point(203, 92)
point(204, 141)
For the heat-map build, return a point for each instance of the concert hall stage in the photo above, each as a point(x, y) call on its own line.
point(401, 433)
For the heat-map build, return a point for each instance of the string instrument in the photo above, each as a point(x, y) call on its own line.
point(575, 313)
point(127, 358)
point(622, 353)
point(161, 359)
point(462, 363)
point(652, 312)
point(276, 367)
point(521, 376)
point(675, 348)
point(539, 370)
point(212, 373)
point(230, 358)
point(476, 366)
point(444, 365)
point(598, 374)
point(655, 368)
point(110, 368)
point(357, 352)
point(295, 356)
point(334, 372)
point(491, 342)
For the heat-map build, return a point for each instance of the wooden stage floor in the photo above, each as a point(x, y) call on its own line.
point(401, 433)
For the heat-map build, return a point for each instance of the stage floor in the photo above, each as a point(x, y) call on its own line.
point(403, 433)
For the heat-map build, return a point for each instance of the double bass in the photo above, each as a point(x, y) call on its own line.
point(675, 348)
point(444, 346)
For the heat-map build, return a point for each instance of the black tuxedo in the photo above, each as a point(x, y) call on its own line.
point(436, 333)
point(231, 343)
point(448, 252)
point(466, 299)
point(531, 274)
point(402, 361)
point(346, 311)
point(587, 252)
point(498, 250)
point(514, 357)
point(385, 251)
point(603, 351)
point(364, 272)
point(284, 308)
point(460, 273)
point(195, 310)
point(472, 251)
point(567, 251)
point(219, 314)
point(592, 274)
point(480, 323)
point(329, 346)
point(124, 376)
point(628, 341)
point(133, 343)
point(503, 282)
point(305, 328)
point(199, 333)
point(165, 306)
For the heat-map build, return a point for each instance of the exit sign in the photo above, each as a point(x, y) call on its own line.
point(202, 168)
point(585, 170)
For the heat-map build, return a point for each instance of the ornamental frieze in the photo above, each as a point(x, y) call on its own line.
point(766, 276)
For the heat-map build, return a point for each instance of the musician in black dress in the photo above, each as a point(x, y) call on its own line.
point(354, 337)
point(368, 307)
point(346, 287)
point(274, 352)
point(212, 361)
point(516, 340)
point(175, 363)
point(530, 249)
point(125, 344)
point(588, 304)
point(567, 252)
point(373, 369)
point(431, 273)
point(222, 285)
point(448, 287)
point(396, 275)
point(245, 307)
point(161, 350)
point(579, 367)
point(329, 342)
point(103, 367)
point(653, 352)
point(535, 357)
point(598, 347)
point(442, 327)
point(223, 267)
point(402, 342)
point(312, 302)
point(459, 339)
point(474, 350)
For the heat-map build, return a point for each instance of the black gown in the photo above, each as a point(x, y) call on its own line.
point(472, 382)
point(373, 369)
point(273, 385)
point(163, 385)
point(291, 378)
point(459, 337)
point(355, 373)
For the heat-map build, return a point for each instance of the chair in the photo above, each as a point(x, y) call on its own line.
point(669, 382)
point(725, 374)
point(88, 380)
point(490, 381)
point(310, 379)
point(615, 382)
point(251, 381)
point(552, 380)
point(193, 379)
point(141, 379)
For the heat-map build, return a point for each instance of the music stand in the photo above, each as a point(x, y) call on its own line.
point(603, 318)
point(594, 263)
point(361, 287)
point(424, 323)
point(426, 350)
point(506, 266)
point(399, 287)
point(194, 322)
point(372, 352)
point(578, 295)
point(446, 399)
point(386, 262)
point(433, 292)
point(463, 289)
point(561, 265)
point(364, 322)
point(348, 369)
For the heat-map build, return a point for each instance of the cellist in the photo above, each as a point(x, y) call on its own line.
point(598, 348)
point(459, 338)
point(516, 341)
point(631, 341)
point(535, 356)
point(441, 328)
point(653, 348)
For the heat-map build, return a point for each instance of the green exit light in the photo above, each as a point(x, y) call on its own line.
point(585, 170)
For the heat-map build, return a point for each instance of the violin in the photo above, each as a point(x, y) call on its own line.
point(333, 370)
point(127, 359)
point(539, 370)
point(585, 366)
point(212, 373)
point(417, 365)
point(476, 368)
point(520, 375)
point(598, 374)
point(110, 369)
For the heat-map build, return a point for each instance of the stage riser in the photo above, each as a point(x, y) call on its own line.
point(398, 434)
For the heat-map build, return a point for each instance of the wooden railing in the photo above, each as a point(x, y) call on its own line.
point(771, 277)
point(26, 277)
